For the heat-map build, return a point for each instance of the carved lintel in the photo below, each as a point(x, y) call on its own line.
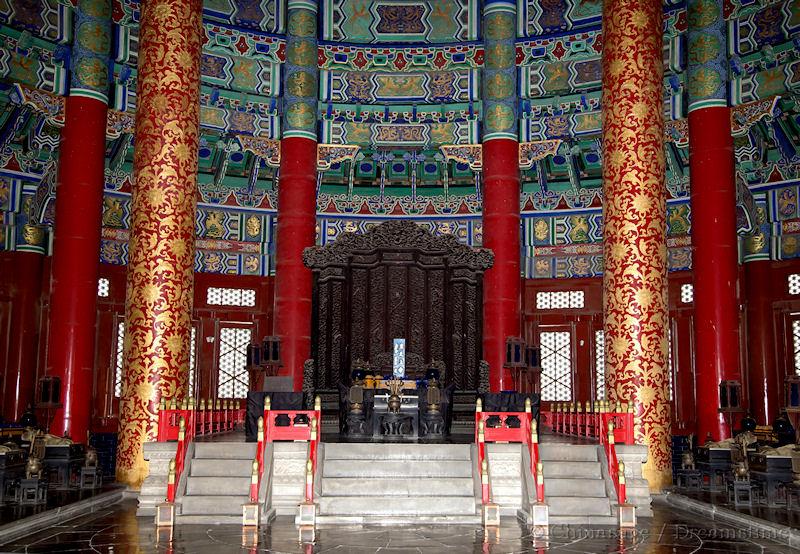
point(400, 234)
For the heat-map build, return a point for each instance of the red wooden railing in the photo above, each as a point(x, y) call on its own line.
point(525, 433)
point(303, 425)
point(183, 423)
point(608, 422)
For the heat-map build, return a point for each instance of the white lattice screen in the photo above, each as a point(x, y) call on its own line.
point(600, 364)
point(233, 380)
point(687, 293)
point(118, 359)
point(556, 376)
point(217, 296)
point(794, 283)
point(796, 345)
point(561, 299)
point(192, 360)
point(103, 286)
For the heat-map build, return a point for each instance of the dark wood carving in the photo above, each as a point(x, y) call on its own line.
point(397, 281)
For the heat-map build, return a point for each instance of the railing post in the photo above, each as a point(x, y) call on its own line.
point(254, 474)
point(621, 495)
point(309, 481)
point(267, 419)
point(171, 481)
point(478, 410)
point(629, 424)
point(485, 494)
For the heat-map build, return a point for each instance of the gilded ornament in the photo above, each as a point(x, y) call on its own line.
point(499, 118)
point(500, 56)
point(302, 23)
point(95, 8)
point(703, 48)
point(500, 26)
point(302, 52)
point(33, 234)
point(300, 116)
point(91, 72)
point(94, 37)
point(789, 245)
point(704, 82)
point(499, 86)
point(703, 13)
point(301, 83)
point(253, 226)
point(541, 230)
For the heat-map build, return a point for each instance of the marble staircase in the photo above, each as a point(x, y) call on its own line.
point(216, 483)
point(397, 484)
point(575, 489)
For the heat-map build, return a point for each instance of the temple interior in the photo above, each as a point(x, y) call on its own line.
point(399, 275)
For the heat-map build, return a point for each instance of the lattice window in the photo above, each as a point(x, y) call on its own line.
point(232, 378)
point(562, 299)
point(192, 358)
point(687, 293)
point(794, 283)
point(670, 370)
point(796, 345)
point(600, 364)
point(556, 376)
point(217, 296)
point(103, 287)
point(118, 359)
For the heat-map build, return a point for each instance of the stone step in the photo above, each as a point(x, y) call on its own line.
point(568, 452)
point(585, 470)
point(506, 488)
point(225, 450)
point(366, 451)
point(207, 467)
point(577, 506)
point(396, 468)
point(209, 486)
point(339, 486)
point(195, 519)
point(213, 505)
point(575, 487)
point(295, 489)
point(324, 520)
point(290, 450)
point(396, 506)
point(583, 520)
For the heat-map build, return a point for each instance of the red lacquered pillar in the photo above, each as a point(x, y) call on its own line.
point(78, 220)
point(501, 229)
point(715, 264)
point(296, 230)
point(21, 367)
point(76, 259)
point(764, 381)
point(297, 196)
point(713, 201)
point(501, 221)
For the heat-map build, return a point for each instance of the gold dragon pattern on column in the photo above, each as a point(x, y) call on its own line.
point(634, 224)
point(158, 303)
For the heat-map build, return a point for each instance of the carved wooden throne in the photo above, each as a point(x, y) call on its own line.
point(397, 281)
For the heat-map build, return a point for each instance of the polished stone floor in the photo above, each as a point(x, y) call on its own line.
point(120, 531)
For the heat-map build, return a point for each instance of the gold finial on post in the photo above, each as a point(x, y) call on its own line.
point(317, 403)
point(610, 432)
point(313, 428)
point(534, 432)
point(621, 473)
point(260, 428)
point(479, 405)
point(527, 405)
point(267, 403)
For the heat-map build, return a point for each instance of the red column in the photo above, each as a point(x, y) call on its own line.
point(76, 258)
point(716, 315)
point(764, 380)
point(21, 367)
point(501, 229)
point(296, 230)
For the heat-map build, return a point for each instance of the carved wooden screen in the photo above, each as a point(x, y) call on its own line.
point(397, 281)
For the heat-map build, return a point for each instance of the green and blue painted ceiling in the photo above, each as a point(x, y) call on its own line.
point(399, 79)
